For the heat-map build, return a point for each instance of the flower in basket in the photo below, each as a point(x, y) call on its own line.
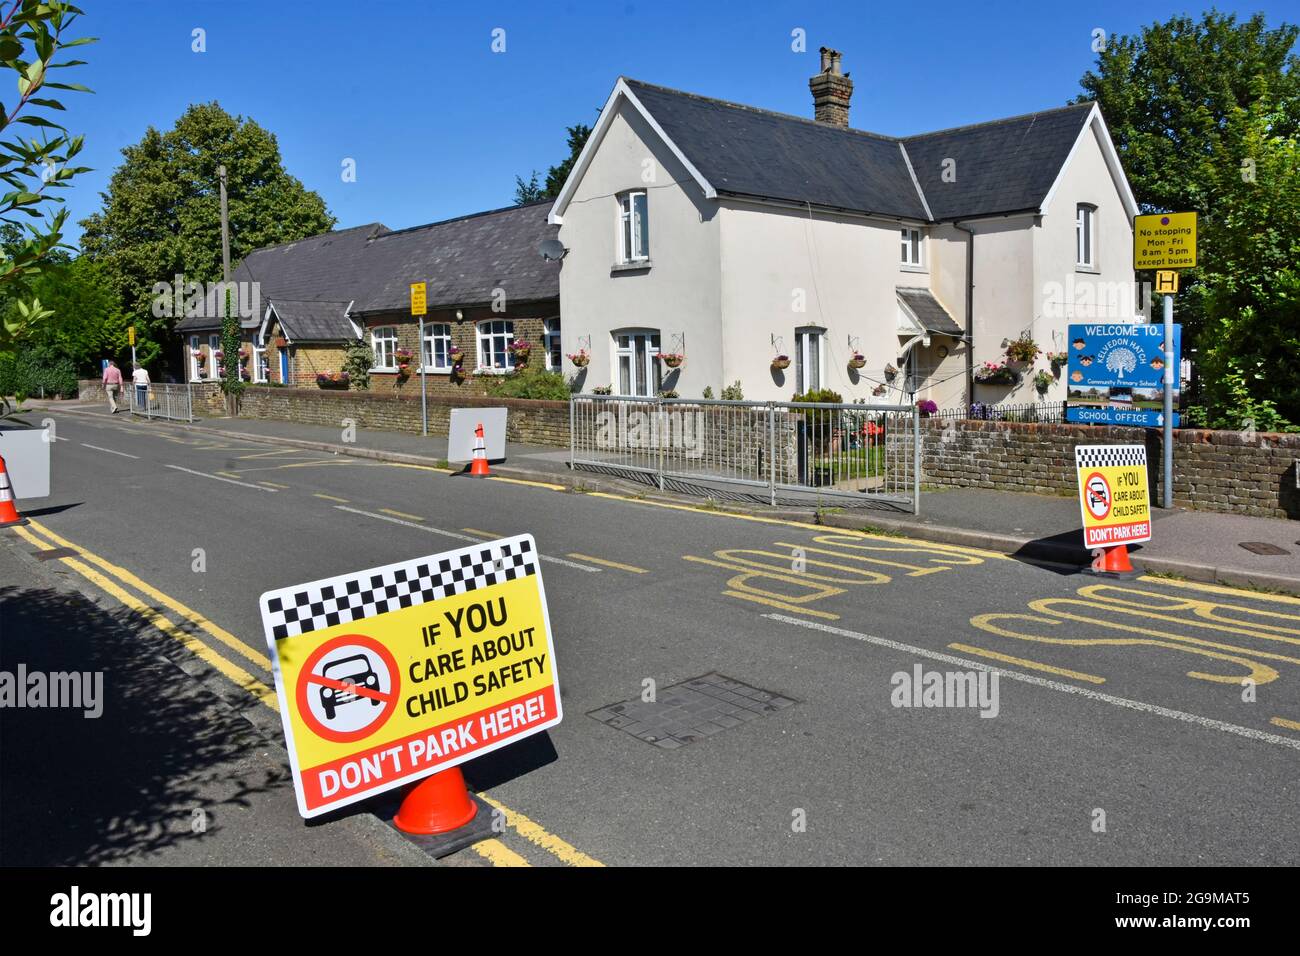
point(1058, 358)
point(879, 390)
point(243, 351)
point(580, 358)
point(520, 349)
point(858, 360)
point(456, 356)
point(995, 373)
point(672, 359)
point(1043, 380)
point(781, 362)
point(890, 372)
point(220, 354)
point(926, 407)
point(1023, 350)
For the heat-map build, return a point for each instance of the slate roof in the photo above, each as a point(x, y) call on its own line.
point(462, 261)
point(329, 267)
point(929, 311)
point(314, 321)
point(1002, 166)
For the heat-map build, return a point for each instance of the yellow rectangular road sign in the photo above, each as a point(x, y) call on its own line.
point(1164, 240)
point(418, 298)
point(130, 335)
point(1166, 282)
point(391, 674)
point(1113, 495)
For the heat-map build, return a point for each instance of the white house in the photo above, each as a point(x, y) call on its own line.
point(734, 235)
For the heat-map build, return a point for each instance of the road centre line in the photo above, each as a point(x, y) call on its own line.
point(499, 854)
point(401, 514)
point(229, 481)
point(194, 617)
point(109, 450)
point(609, 564)
point(317, 494)
point(459, 537)
point(1206, 723)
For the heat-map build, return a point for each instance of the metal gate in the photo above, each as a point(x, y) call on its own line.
point(172, 402)
point(771, 451)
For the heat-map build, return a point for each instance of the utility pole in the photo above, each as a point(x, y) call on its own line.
point(225, 228)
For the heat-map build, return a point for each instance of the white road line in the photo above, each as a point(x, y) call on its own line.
point(458, 536)
point(1207, 723)
point(229, 481)
point(109, 450)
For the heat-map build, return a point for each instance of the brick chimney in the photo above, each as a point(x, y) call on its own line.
point(831, 91)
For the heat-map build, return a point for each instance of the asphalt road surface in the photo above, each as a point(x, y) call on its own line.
point(1149, 721)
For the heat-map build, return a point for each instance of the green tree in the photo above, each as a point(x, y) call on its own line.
point(161, 214)
point(1205, 114)
point(86, 321)
point(533, 191)
point(33, 33)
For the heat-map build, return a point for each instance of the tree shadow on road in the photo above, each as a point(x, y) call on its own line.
point(79, 791)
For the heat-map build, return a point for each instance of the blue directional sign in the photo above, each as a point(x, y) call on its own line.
point(1116, 374)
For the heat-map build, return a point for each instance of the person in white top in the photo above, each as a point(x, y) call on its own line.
point(140, 376)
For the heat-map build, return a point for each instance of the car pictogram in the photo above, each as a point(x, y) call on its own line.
point(353, 671)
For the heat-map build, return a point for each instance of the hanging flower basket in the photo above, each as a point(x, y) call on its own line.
point(1057, 359)
point(1043, 381)
point(879, 390)
point(332, 379)
point(992, 373)
point(1023, 351)
point(926, 407)
point(672, 359)
point(890, 373)
point(580, 358)
point(520, 350)
point(781, 362)
point(858, 361)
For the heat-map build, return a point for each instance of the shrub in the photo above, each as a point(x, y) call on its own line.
point(530, 383)
point(358, 360)
point(733, 393)
point(43, 371)
point(8, 374)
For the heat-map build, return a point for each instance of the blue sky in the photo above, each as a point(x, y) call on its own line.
point(439, 125)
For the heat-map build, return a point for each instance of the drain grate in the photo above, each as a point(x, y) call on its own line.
point(1262, 547)
point(686, 712)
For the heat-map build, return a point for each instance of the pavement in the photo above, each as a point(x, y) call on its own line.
point(1153, 721)
point(1197, 545)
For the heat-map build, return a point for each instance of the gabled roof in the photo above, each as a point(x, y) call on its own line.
point(1007, 165)
point(1003, 166)
point(316, 321)
point(462, 261)
point(325, 268)
point(929, 311)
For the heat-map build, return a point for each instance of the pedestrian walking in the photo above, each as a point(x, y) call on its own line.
point(112, 384)
point(140, 376)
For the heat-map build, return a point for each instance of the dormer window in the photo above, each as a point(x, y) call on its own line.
point(913, 248)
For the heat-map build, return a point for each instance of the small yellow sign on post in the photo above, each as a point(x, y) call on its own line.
point(130, 335)
point(1166, 282)
point(418, 298)
point(1165, 241)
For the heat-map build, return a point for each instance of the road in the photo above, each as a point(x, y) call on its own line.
point(1123, 733)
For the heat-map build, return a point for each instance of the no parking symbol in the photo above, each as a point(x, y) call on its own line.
point(348, 688)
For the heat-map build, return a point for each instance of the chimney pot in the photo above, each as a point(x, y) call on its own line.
point(831, 91)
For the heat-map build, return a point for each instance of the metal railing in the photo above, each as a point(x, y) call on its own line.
point(172, 402)
point(1043, 412)
point(767, 451)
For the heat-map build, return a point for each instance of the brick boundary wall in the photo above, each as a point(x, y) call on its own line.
point(208, 400)
point(527, 420)
point(1213, 470)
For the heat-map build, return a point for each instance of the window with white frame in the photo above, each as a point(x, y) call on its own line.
point(494, 338)
point(913, 247)
point(1085, 236)
point(636, 353)
point(551, 344)
point(808, 350)
point(214, 346)
point(261, 368)
point(634, 227)
point(437, 347)
point(383, 342)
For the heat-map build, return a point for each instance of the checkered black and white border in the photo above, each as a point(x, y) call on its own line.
point(1109, 456)
point(290, 612)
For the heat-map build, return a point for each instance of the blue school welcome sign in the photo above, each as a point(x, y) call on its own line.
point(1116, 374)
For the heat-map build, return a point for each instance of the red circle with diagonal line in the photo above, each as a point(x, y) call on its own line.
point(1097, 495)
point(336, 690)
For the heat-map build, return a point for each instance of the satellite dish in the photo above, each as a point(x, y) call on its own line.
point(552, 249)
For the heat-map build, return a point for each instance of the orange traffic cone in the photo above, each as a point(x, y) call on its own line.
point(1114, 560)
point(9, 515)
point(479, 468)
point(437, 804)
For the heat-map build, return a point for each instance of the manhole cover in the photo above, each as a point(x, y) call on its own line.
point(686, 712)
point(1263, 547)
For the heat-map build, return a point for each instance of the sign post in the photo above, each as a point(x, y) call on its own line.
point(1166, 241)
point(393, 674)
point(418, 308)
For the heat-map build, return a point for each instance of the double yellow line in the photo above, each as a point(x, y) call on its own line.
point(86, 564)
